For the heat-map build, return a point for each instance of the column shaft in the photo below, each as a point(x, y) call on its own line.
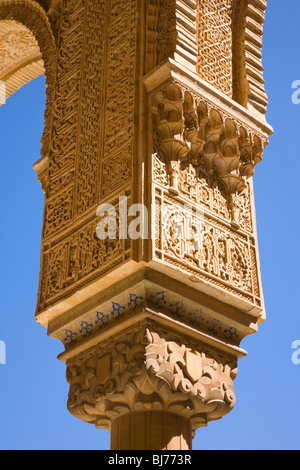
point(151, 430)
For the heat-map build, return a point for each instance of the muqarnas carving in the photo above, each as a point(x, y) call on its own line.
point(187, 128)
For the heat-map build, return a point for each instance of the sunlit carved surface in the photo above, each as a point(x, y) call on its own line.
point(161, 104)
point(20, 56)
point(215, 43)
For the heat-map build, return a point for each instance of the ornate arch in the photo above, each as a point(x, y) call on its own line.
point(248, 81)
point(26, 21)
point(53, 8)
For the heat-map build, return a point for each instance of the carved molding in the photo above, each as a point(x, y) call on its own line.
point(20, 56)
point(248, 86)
point(54, 10)
point(153, 8)
point(147, 368)
point(171, 33)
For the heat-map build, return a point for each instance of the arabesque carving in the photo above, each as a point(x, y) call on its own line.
point(198, 186)
point(214, 40)
point(160, 102)
point(171, 32)
point(189, 371)
point(91, 151)
point(248, 81)
point(18, 49)
point(220, 40)
point(148, 368)
point(193, 242)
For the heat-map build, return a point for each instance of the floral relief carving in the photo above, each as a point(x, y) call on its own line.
point(91, 147)
point(146, 368)
point(189, 371)
point(198, 186)
point(247, 29)
point(147, 325)
point(73, 260)
point(220, 40)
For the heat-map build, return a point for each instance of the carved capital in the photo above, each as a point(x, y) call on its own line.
point(149, 368)
point(188, 370)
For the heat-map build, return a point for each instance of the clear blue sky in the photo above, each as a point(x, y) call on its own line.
point(33, 388)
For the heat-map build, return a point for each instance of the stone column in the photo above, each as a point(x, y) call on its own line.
point(159, 103)
point(151, 384)
point(151, 430)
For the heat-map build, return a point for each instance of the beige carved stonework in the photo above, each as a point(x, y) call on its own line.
point(248, 83)
point(161, 103)
point(214, 35)
point(20, 56)
point(147, 369)
point(190, 371)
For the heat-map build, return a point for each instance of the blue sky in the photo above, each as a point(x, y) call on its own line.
point(33, 387)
